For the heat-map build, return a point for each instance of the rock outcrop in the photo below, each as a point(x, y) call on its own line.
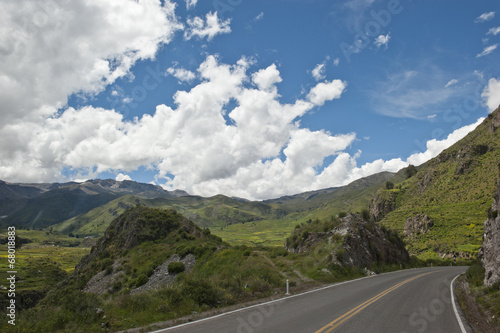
point(360, 243)
point(418, 224)
point(489, 254)
point(135, 252)
point(382, 203)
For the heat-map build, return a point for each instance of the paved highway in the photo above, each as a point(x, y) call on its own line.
point(416, 300)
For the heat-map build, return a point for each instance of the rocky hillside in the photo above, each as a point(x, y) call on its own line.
point(349, 241)
point(441, 206)
point(489, 254)
point(137, 249)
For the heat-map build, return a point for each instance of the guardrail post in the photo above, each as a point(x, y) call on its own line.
point(287, 287)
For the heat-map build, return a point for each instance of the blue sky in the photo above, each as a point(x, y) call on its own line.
point(254, 99)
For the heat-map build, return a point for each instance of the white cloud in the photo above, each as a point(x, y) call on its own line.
point(491, 94)
point(210, 28)
point(318, 73)
point(494, 31)
point(485, 17)
point(191, 3)
point(49, 52)
point(121, 177)
point(382, 40)
point(181, 74)
point(191, 146)
point(259, 17)
point(487, 50)
point(266, 79)
point(336, 61)
point(326, 91)
point(451, 83)
point(435, 147)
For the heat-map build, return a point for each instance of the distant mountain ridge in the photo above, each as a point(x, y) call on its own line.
point(45, 204)
point(88, 208)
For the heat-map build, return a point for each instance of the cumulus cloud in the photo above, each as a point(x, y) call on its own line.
point(267, 78)
point(181, 74)
point(318, 73)
point(491, 94)
point(382, 40)
point(121, 177)
point(487, 50)
point(484, 17)
point(435, 147)
point(49, 52)
point(192, 146)
point(211, 27)
point(326, 91)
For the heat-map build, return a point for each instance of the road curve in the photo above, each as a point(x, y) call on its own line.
point(416, 300)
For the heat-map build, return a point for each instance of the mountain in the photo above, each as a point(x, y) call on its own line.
point(214, 211)
point(42, 205)
point(221, 212)
point(440, 208)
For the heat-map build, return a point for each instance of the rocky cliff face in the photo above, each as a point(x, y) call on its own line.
point(354, 241)
point(382, 203)
point(418, 224)
point(489, 253)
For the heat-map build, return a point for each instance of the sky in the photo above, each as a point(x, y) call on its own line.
point(253, 99)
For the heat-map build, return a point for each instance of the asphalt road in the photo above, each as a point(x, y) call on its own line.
point(416, 300)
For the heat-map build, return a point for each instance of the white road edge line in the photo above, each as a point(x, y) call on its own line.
point(260, 304)
point(462, 328)
point(275, 301)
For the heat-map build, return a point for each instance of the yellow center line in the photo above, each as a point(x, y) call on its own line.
point(346, 316)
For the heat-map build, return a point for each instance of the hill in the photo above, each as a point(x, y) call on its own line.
point(440, 209)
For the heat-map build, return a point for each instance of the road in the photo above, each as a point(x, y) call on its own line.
point(416, 300)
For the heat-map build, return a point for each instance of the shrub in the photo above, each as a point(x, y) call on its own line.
point(176, 267)
point(141, 280)
point(366, 214)
point(475, 274)
point(201, 291)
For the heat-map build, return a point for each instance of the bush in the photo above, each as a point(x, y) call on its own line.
point(366, 214)
point(141, 280)
point(176, 267)
point(201, 291)
point(475, 274)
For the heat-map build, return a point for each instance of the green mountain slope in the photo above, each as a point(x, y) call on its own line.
point(454, 190)
point(239, 221)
